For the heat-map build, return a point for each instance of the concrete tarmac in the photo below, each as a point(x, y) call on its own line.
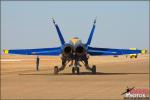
point(20, 80)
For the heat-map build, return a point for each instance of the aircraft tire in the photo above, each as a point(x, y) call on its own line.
point(78, 70)
point(73, 70)
point(94, 69)
point(56, 70)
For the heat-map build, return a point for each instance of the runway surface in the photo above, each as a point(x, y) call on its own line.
point(20, 80)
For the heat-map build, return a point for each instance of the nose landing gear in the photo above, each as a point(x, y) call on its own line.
point(75, 69)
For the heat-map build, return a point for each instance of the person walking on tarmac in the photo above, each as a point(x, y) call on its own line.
point(37, 63)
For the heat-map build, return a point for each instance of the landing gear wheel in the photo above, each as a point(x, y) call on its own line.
point(78, 70)
point(73, 70)
point(94, 69)
point(56, 70)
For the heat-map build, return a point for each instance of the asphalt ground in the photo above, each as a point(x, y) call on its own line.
point(20, 80)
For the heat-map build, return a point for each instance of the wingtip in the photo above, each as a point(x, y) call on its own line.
point(6, 51)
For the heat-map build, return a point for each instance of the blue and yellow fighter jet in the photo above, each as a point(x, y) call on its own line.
point(74, 51)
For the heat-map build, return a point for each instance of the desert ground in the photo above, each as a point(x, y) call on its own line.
point(20, 80)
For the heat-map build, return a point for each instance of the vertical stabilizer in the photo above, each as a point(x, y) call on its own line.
point(59, 33)
point(91, 34)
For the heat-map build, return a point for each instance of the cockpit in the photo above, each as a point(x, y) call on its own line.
point(75, 41)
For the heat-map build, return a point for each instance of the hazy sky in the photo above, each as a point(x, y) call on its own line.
point(120, 24)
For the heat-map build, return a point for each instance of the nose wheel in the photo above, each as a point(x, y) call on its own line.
point(75, 70)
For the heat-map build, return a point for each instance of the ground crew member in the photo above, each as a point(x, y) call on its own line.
point(37, 63)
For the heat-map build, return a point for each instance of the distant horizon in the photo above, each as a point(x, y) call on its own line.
point(120, 24)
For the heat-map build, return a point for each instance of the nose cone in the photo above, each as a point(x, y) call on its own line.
point(74, 41)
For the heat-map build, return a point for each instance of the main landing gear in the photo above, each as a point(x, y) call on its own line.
point(56, 70)
point(76, 70)
point(94, 69)
point(75, 67)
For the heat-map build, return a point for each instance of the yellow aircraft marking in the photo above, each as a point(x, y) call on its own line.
point(74, 40)
point(6, 51)
point(144, 51)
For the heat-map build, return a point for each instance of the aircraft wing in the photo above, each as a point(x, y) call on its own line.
point(111, 51)
point(39, 51)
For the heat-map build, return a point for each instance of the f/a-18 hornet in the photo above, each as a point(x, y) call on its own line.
point(74, 52)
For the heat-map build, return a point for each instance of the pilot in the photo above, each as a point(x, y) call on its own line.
point(37, 63)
